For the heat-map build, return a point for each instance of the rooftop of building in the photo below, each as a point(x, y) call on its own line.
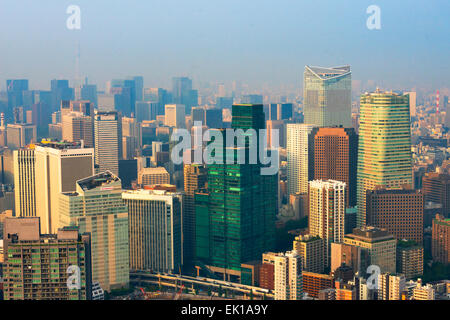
point(325, 73)
point(371, 234)
point(153, 170)
point(99, 180)
point(306, 238)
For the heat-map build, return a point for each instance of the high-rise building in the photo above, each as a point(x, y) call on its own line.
point(440, 241)
point(436, 188)
point(421, 292)
point(19, 135)
point(77, 127)
point(155, 230)
point(412, 102)
point(175, 116)
point(335, 156)
point(146, 110)
point(58, 166)
point(36, 266)
point(183, 93)
point(15, 89)
point(409, 258)
point(300, 157)
point(195, 177)
point(60, 91)
point(24, 182)
point(378, 247)
point(384, 145)
point(311, 249)
point(345, 254)
point(235, 219)
point(107, 141)
point(96, 207)
point(327, 96)
point(400, 212)
point(288, 276)
point(151, 176)
point(327, 212)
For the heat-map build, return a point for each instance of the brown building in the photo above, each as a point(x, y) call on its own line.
point(440, 241)
point(345, 291)
point(409, 258)
point(195, 177)
point(400, 212)
point(315, 282)
point(335, 157)
point(436, 188)
point(267, 271)
point(345, 254)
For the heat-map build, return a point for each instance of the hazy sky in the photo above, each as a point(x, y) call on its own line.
point(254, 41)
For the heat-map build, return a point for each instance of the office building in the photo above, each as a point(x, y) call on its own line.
point(378, 247)
point(327, 212)
point(400, 212)
point(58, 166)
point(107, 141)
point(77, 127)
point(20, 135)
point(175, 116)
point(235, 218)
point(151, 176)
point(195, 177)
point(345, 254)
point(335, 156)
point(313, 283)
point(96, 207)
point(311, 249)
point(155, 230)
point(436, 188)
point(24, 182)
point(183, 94)
point(300, 157)
point(288, 276)
point(383, 159)
point(440, 241)
point(36, 265)
point(327, 96)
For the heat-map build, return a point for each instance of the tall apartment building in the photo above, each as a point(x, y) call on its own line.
point(436, 188)
point(108, 141)
point(36, 265)
point(327, 212)
point(311, 249)
point(327, 96)
point(398, 211)
point(131, 138)
point(440, 241)
point(409, 258)
point(195, 177)
point(96, 207)
point(288, 276)
point(300, 157)
point(175, 116)
point(335, 156)
point(155, 230)
point(384, 145)
point(24, 162)
point(390, 286)
point(77, 127)
point(378, 247)
point(151, 176)
point(58, 166)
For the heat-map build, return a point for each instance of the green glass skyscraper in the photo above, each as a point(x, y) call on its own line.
point(384, 151)
point(235, 218)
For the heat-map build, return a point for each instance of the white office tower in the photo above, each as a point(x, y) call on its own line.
point(107, 140)
point(58, 166)
point(175, 116)
point(327, 212)
point(288, 276)
point(299, 157)
point(24, 182)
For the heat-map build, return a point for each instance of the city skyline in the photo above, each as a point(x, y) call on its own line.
point(219, 46)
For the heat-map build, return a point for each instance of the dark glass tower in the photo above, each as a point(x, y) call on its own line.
point(236, 216)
